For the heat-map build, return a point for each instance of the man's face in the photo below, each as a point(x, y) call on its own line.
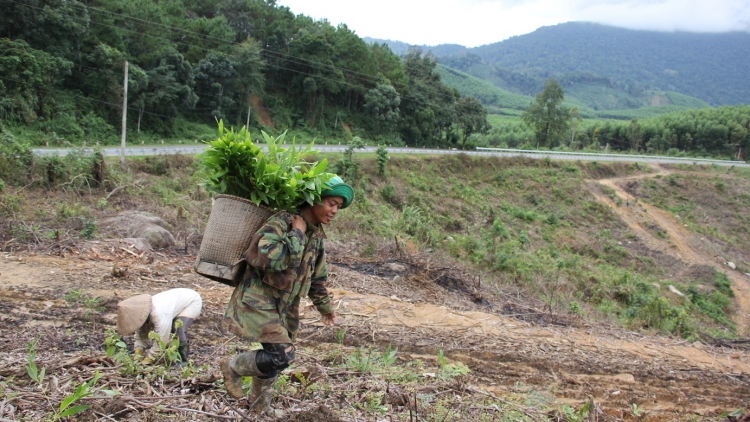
point(327, 209)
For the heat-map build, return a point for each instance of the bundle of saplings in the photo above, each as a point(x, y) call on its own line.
point(278, 178)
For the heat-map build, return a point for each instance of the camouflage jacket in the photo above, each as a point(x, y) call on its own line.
point(284, 265)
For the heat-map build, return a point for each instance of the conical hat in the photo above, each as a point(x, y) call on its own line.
point(132, 313)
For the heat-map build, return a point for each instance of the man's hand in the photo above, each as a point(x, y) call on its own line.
point(299, 223)
point(329, 319)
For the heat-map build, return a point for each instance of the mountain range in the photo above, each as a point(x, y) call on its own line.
point(609, 68)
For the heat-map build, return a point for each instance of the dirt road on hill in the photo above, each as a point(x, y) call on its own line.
point(668, 379)
point(678, 242)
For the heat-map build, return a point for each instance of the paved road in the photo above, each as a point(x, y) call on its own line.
point(496, 152)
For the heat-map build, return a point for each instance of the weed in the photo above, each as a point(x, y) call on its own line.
point(388, 192)
point(723, 284)
point(360, 360)
point(389, 356)
point(523, 239)
point(340, 335)
point(637, 411)
point(346, 167)
point(11, 202)
point(69, 408)
point(168, 353)
point(382, 157)
point(713, 305)
point(575, 308)
point(91, 304)
point(89, 229)
point(67, 210)
point(31, 369)
point(579, 415)
point(450, 370)
point(499, 229)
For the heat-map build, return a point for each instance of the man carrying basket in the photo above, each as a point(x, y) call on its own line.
point(286, 261)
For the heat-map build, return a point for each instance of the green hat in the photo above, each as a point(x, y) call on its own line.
point(336, 187)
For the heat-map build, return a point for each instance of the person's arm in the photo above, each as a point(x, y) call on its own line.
point(140, 340)
point(277, 246)
point(319, 294)
point(162, 327)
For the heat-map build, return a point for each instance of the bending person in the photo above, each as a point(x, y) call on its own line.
point(144, 313)
point(286, 261)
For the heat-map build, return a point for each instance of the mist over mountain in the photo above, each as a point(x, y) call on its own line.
point(713, 67)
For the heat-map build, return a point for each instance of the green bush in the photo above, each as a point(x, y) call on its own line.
point(723, 284)
point(15, 157)
point(713, 305)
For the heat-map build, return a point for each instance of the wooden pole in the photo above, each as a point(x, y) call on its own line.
point(124, 114)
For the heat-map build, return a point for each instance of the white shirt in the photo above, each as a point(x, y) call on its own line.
point(165, 307)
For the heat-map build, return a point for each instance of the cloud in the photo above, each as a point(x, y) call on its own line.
point(476, 22)
point(670, 15)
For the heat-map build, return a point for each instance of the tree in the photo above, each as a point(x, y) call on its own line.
point(427, 106)
point(312, 73)
point(471, 117)
point(249, 66)
point(28, 80)
point(547, 116)
point(57, 27)
point(382, 102)
point(575, 120)
point(635, 135)
point(214, 75)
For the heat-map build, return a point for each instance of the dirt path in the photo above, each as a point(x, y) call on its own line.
point(679, 242)
point(666, 377)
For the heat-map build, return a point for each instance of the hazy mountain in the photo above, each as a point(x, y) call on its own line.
point(401, 48)
point(610, 68)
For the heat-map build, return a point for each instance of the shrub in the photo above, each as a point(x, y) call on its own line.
point(723, 284)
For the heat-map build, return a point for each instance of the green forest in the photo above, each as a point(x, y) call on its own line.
point(254, 63)
point(193, 62)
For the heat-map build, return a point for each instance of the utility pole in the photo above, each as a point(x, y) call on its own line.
point(124, 114)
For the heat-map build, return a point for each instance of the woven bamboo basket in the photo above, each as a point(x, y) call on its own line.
point(231, 225)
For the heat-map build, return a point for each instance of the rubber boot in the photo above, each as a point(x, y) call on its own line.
point(184, 351)
point(260, 394)
point(235, 368)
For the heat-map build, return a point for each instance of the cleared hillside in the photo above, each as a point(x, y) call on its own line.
point(465, 289)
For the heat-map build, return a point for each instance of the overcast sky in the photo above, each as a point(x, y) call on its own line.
point(477, 22)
